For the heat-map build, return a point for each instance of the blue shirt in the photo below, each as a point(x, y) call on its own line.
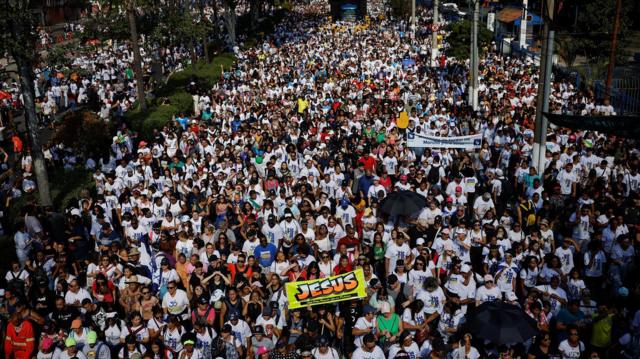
point(265, 255)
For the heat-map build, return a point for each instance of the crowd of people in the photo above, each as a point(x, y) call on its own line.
point(183, 249)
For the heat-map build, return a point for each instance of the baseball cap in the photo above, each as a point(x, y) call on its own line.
point(323, 341)
point(385, 307)
point(226, 328)
point(92, 337)
point(420, 241)
point(465, 268)
point(488, 278)
point(202, 300)
point(369, 309)
point(69, 342)
point(258, 330)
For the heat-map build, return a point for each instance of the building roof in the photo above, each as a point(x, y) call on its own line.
point(509, 14)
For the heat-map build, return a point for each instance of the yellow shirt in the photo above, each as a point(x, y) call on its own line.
point(601, 333)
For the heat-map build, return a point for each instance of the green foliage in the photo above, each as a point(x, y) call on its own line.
point(58, 55)
point(83, 131)
point(460, 39)
point(66, 186)
point(400, 8)
point(567, 49)
point(175, 90)
point(594, 27)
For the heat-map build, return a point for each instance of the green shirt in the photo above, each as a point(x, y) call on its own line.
point(601, 333)
point(392, 325)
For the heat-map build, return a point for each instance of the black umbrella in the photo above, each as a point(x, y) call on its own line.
point(402, 203)
point(501, 323)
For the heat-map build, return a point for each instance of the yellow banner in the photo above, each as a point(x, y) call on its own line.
point(333, 289)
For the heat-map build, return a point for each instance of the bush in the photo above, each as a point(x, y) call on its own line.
point(157, 115)
point(460, 39)
point(157, 119)
point(83, 131)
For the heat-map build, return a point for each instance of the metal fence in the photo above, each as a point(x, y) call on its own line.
point(625, 93)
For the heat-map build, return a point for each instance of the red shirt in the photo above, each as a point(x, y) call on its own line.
point(339, 269)
point(368, 162)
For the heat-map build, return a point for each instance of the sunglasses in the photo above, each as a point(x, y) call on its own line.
point(171, 287)
point(146, 292)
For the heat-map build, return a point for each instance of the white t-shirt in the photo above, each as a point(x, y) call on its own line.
point(395, 252)
point(483, 294)
point(569, 352)
point(433, 301)
point(359, 353)
point(555, 304)
point(176, 304)
point(362, 324)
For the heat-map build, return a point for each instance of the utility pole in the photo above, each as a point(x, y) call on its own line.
point(434, 34)
point(544, 88)
point(473, 81)
point(523, 24)
point(413, 18)
point(612, 53)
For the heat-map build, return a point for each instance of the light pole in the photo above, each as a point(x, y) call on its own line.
point(544, 88)
point(523, 25)
point(473, 56)
point(434, 34)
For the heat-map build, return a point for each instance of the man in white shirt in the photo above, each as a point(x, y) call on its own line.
point(365, 325)
point(75, 295)
point(488, 292)
point(557, 295)
point(396, 250)
point(482, 205)
point(368, 349)
point(567, 180)
point(175, 301)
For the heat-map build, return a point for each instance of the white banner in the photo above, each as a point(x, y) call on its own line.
point(491, 19)
point(465, 142)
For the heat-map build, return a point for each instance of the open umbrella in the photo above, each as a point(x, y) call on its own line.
point(501, 323)
point(5, 95)
point(402, 203)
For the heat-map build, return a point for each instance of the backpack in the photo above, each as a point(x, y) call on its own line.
point(528, 214)
point(433, 176)
point(507, 189)
point(16, 284)
point(95, 352)
point(202, 320)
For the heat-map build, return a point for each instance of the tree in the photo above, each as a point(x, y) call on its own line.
point(592, 25)
point(137, 59)
point(230, 20)
point(18, 38)
point(459, 39)
point(254, 12)
point(567, 49)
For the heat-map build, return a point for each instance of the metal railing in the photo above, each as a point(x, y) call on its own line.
point(625, 93)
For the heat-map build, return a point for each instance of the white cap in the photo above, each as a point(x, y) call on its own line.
point(448, 247)
point(465, 268)
point(75, 212)
point(512, 297)
point(420, 241)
